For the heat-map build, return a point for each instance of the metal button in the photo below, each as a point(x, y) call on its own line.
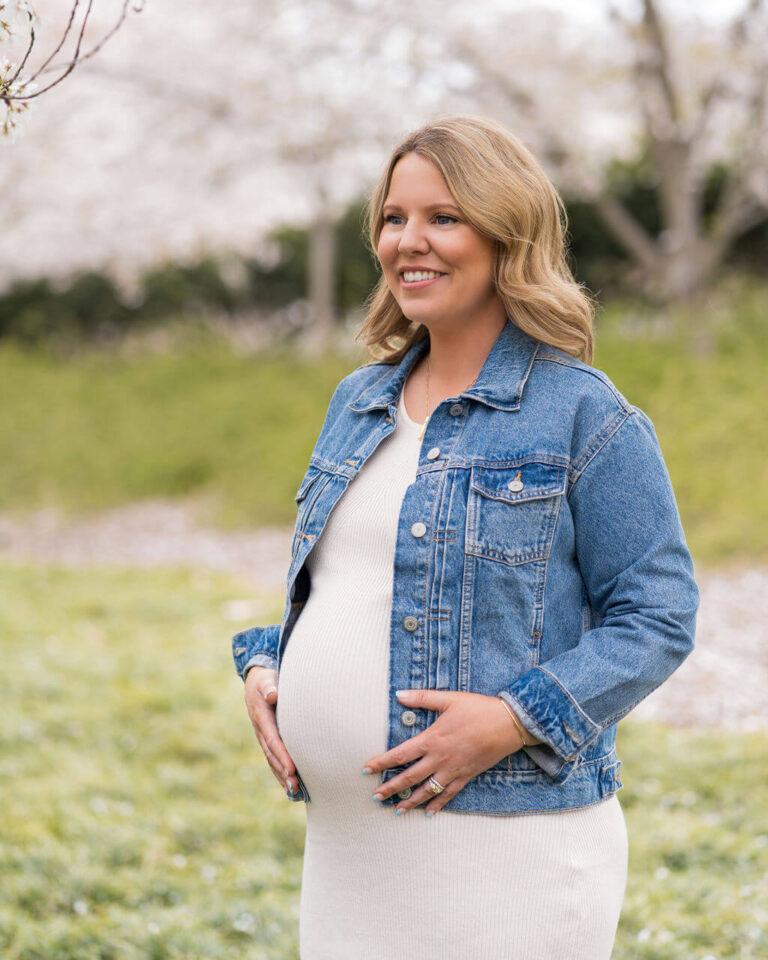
point(419, 529)
point(408, 718)
point(411, 624)
point(516, 485)
point(455, 409)
point(434, 453)
point(404, 793)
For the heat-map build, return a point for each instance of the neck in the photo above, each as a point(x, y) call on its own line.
point(456, 355)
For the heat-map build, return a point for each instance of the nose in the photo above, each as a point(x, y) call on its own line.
point(413, 238)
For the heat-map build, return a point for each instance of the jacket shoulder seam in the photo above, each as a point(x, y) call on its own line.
point(596, 444)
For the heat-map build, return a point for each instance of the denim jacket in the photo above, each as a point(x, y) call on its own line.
point(554, 570)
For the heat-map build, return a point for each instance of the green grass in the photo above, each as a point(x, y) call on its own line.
point(107, 428)
point(234, 432)
point(710, 416)
point(139, 820)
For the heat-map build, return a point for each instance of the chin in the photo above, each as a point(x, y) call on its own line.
point(421, 312)
point(416, 316)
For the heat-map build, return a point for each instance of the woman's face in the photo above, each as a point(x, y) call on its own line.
point(424, 230)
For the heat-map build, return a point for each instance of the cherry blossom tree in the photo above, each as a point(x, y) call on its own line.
point(690, 93)
point(208, 125)
point(252, 115)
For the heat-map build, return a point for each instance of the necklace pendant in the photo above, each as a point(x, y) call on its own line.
point(421, 432)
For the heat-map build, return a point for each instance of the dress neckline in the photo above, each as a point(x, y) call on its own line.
point(403, 413)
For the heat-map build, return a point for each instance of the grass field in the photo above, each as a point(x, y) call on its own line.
point(139, 821)
point(234, 432)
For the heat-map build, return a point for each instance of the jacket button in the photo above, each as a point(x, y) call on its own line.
point(411, 624)
point(455, 409)
point(516, 485)
point(405, 793)
point(434, 453)
point(419, 529)
point(408, 718)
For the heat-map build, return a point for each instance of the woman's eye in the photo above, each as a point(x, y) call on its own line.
point(393, 217)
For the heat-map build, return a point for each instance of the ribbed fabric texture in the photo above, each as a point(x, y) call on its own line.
point(453, 887)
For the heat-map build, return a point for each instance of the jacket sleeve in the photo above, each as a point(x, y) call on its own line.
point(638, 574)
point(255, 647)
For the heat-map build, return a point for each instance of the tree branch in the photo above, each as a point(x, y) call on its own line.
point(739, 30)
point(31, 19)
point(627, 230)
point(46, 66)
point(660, 66)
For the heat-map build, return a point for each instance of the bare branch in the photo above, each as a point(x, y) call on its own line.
point(31, 19)
point(64, 36)
point(47, 66)
point(110, 33)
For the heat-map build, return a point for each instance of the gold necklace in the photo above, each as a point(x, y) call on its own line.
point(426, 403)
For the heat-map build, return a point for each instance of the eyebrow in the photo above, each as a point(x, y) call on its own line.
point(432, 206)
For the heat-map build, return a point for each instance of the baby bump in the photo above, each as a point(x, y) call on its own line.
point(332, 701)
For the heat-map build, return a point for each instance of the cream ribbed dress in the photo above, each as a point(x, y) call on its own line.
point(453, 887)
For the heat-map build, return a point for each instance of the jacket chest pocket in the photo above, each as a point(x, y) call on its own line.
point(512, 510)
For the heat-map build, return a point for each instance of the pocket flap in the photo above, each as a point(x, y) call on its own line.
point(531, 480)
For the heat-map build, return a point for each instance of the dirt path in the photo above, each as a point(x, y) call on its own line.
point(724, 682)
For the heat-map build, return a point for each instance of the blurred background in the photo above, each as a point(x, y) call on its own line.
point(182, 272)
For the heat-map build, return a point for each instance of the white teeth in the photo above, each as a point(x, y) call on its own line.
point(411, 276)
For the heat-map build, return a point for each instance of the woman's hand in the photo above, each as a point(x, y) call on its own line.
point(472, 733)
point(261, 699)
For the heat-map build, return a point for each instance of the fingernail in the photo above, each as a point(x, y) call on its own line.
point(366, 771)
point(400, 693)
point(429, 813)
point(271, 690)
point(377, 798)
point(398, 812)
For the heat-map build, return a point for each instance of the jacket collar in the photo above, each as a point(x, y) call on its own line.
point(499, 384)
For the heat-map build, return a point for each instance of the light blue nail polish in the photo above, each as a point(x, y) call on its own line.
point(399, 693)
point(398, 812)
point(429, 813)
point(377, 798)
point(366, 771)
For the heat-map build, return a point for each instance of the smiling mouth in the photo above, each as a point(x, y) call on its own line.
point(419, 278)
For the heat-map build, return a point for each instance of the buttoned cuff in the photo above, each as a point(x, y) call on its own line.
point(550, 713)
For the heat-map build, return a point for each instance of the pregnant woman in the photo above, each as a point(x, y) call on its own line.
point(488, 572)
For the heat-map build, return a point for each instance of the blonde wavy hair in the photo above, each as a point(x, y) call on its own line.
point(505, 194)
